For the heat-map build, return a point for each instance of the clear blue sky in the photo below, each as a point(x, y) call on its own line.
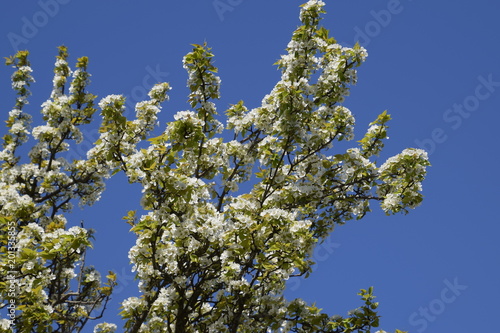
point(433, 64)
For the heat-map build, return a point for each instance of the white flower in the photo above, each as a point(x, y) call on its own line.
point(68, 273)
point(92, 276)
point(110, 99)
point(390, 202)
point(25, 69)
point(373, 128)
point(105, 328)
point(185, 115)
point(131, 303)
point(5, 324)
point(44, 129)
point(60, 62)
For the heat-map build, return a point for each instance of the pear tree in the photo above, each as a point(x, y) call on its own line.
point(233, 202)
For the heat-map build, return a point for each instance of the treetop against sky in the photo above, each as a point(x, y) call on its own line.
point(230, 211)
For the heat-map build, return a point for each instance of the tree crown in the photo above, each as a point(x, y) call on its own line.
point(231, 211)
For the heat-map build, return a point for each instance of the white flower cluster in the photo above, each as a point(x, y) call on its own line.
point(62, 72)
point(105, 328)
point(311, 4)
point(159, 92)
point(5, 324)
point(18, 121)
point(402, 177)
point(409, 153)
point(110, 101)
point(34, 194)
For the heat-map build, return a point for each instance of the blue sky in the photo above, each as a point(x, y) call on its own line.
point(432, 64)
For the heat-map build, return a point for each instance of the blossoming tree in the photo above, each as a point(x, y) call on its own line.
point(231, 211)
